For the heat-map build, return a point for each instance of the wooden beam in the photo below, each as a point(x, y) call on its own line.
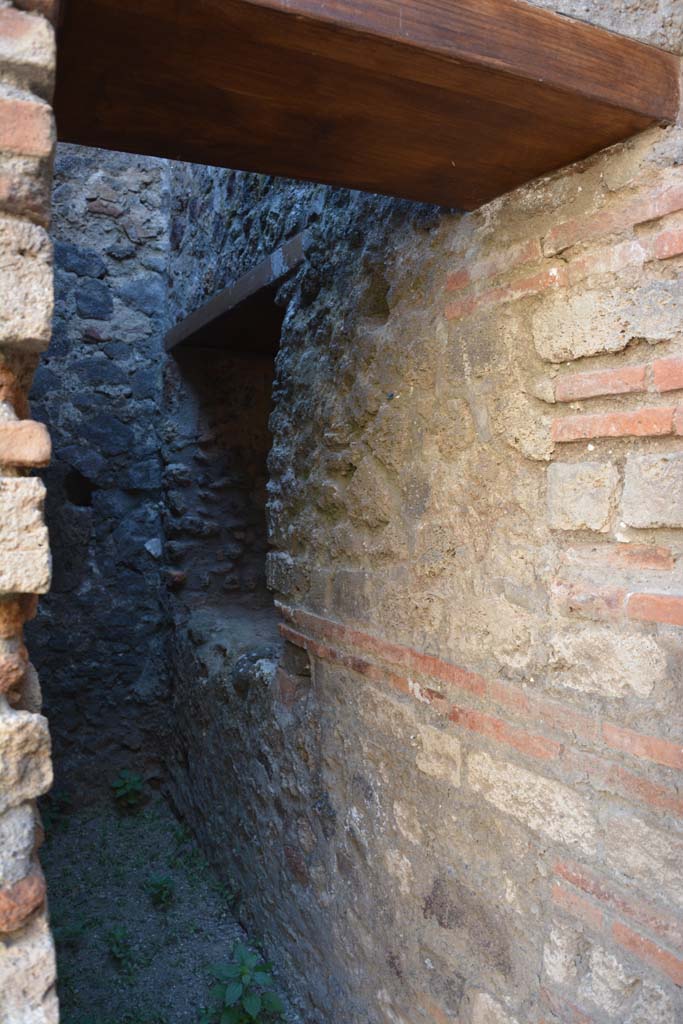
point(224, 321)
point(447, 101)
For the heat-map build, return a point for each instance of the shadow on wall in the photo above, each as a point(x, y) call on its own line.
point(215, 489)
point(98, 641)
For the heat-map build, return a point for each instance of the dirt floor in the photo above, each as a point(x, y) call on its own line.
point(139, 916)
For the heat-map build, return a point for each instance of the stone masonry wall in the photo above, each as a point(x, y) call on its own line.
point(457, 797)
point(99, 637)
point(27, 60)
point(450, 791)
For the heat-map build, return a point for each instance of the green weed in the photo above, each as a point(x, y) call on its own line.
point(121, 949)
point(243, 993)
point(128, 789)
point(161, 891)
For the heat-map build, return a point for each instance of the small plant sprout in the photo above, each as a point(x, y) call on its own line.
point(161, 891)
point(120, 949)
point(127, 788)
point(244, 992)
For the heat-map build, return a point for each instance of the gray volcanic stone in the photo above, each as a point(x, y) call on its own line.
point(94, 301)
point(79, 261)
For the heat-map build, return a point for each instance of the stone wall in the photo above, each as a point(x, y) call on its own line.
point(450, 789)
point(99, 636)
point(456, 798)
point(27, 58)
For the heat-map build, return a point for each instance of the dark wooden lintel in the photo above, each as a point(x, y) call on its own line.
point(216, 323)
point(446, 101)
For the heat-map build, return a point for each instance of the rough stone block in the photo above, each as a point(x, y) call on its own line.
point(25, 285)
point(94, 300)
point(573, 323)
point(27, 50)
point(653, 491)
point(581, 495)
point(24, 443)
point(283, 574)
point(28, 695)
point(19, 900)
point(651, 856)
point(439, 755)
point(24, 187)
point(27, 976)
point(26, 126)
point(14, 612)
point(13, 665)
point(600, 660)
point(24, 547)
point(486, 1010)
point(17, 843)
point(543, 805)
point(561, 954)
point(25, 765)
point(607, 983)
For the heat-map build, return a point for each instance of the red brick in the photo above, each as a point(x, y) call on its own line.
point(649, 951)
point(14, 612)
point(553, 277)
point(658, 202)
point(635, 787)
point(603, 774)
point(493, 266)
point(562, 1010)
point(445, 671)
point(349, 661)
point(666, 927)
point(12, 669)
point(640, 423)
point(656, 608)
point(668, 244)
point(433, 697)
point(640, 556)
point(566, 719)
point(574, 903)
point(26, 127)
point(667, 374)
point(18, 901)
point(105, 208)
point(590, 601)
point(402, 657)
point(12, 390)
point(15, 25)
point(650, 748)
point(548, 712)
point(500, 732)
point(24, 443)
point(509, 696)
point(607, 261)
point(600, 382)
point(620, 556)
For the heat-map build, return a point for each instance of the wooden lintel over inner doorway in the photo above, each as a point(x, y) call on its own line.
point(243, 318)
point(446, 101)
